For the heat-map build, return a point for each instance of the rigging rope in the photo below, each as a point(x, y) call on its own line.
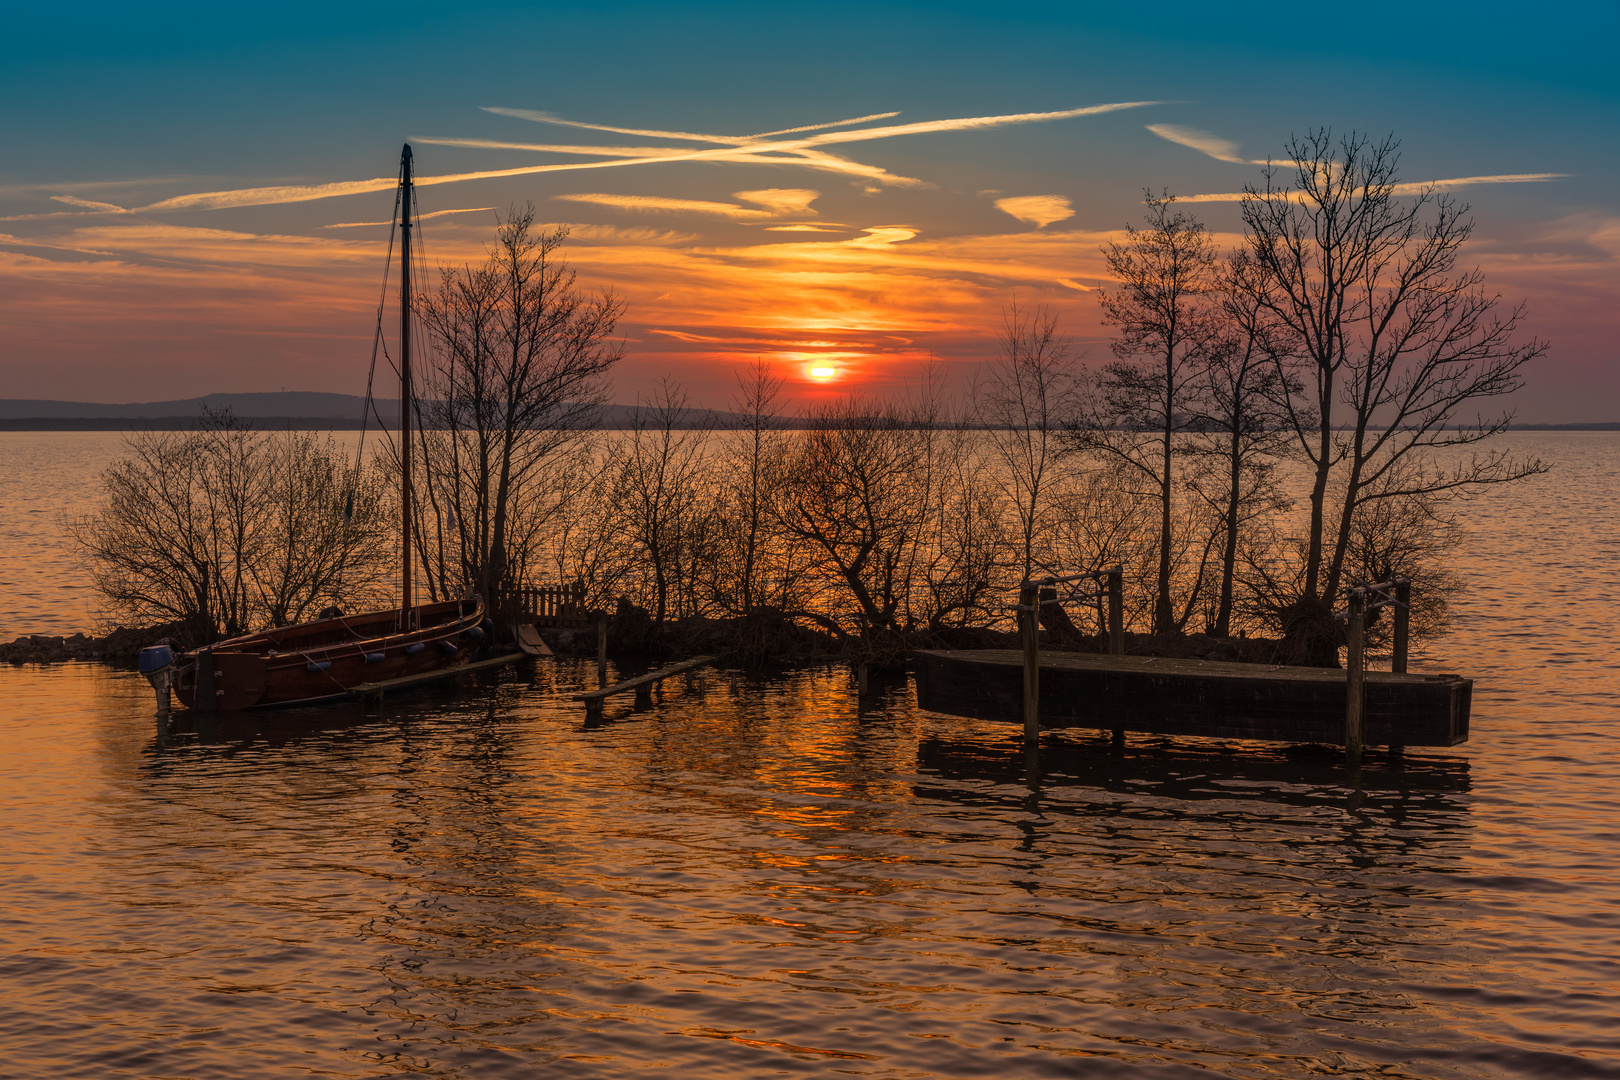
point(370, 403)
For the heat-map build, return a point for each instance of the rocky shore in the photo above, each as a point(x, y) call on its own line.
point(121, 647)
point(764, 638)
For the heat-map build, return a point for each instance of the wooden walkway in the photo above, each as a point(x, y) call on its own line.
point(1164, 696)
point(374, 692)
point(641, 684)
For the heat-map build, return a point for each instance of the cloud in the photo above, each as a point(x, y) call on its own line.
point(1038, 210)
point(640, 234)
point(831, 124)
point(782, 202)
point(670, 152)
point(687, 136)
point(680, 335)
point(659, 204)
point(1225, 150)
point(1414, 188)
point(1069, 284)
point(1202, 141)
point(882, 236)
point(50, 217)
point(802, 228)
point(180, 248)
point(767, 149)
point(778, 202)
point(87, 204)
point(419, 217)
point(970, 123)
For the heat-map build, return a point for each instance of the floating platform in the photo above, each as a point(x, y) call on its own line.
point(1206, 698)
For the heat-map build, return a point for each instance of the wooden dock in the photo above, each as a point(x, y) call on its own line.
point(641, 684)
point(374, 692)
point(1164, 696)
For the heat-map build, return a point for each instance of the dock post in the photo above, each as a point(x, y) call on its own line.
point(1397, 660)
point(1403, 612)
point(1116, 611)
point(1029, 620)
point(206, 696)
point(601, 649)
point(1354, 677)
point(862, 686)
point(1116, 633)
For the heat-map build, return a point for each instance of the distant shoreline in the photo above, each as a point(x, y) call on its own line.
point(325, 423)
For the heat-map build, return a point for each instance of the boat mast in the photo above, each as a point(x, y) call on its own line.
point(405, 199)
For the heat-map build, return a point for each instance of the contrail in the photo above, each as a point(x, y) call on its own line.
point(689, 136)
point(1202, 141)
point(732, 149)
point(1414, 188)
point(423, 217)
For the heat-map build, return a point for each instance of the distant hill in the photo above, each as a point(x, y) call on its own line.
point(1613, 425)
point(288, 403)
point(308, 409)
point(289, 408)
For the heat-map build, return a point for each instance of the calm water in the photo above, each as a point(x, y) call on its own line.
point(771, 878)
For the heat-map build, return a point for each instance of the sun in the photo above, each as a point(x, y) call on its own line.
point(822, 372)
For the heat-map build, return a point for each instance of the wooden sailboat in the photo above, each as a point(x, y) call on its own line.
point(328, 659)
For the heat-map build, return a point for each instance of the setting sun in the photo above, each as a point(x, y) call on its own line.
point(822, 373)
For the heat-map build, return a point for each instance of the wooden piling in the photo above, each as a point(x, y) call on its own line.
point(862, 683)
point(1397, 659)
point(1116, 611)
point(1116, 629)
point(1029, 620)
point(1403, 612)
point(1355, 676)
point(601, 648)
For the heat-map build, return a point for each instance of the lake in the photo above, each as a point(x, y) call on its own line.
point(764, 877)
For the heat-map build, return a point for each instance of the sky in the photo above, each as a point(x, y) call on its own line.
point(195, 200)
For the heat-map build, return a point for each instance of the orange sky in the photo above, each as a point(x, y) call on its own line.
point(144, 310)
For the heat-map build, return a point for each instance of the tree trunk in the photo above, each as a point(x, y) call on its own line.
point(1234, 494)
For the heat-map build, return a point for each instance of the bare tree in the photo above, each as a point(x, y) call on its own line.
point(1143, 399)
point(227, 530)
point(848, 498)
point(327, 540)
point(517, 373)
point(662, 502)
point(759, 444)
point(1391, 339)
point(1101, 520)
point(1024, 400)
point(964, 549)
point(1241, 424)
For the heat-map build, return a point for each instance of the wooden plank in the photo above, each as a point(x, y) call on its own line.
point(376, 688)
point(645, 680)
point(1195, 697)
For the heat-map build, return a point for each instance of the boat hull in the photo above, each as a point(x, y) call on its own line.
point(326, 660)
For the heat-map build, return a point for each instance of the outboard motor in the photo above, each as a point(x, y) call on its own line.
point(155, 658)
point(157, 664)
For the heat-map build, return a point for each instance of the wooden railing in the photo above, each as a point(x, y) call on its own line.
point(554, 605)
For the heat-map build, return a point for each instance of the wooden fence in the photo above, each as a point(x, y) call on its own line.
point(554, 605)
